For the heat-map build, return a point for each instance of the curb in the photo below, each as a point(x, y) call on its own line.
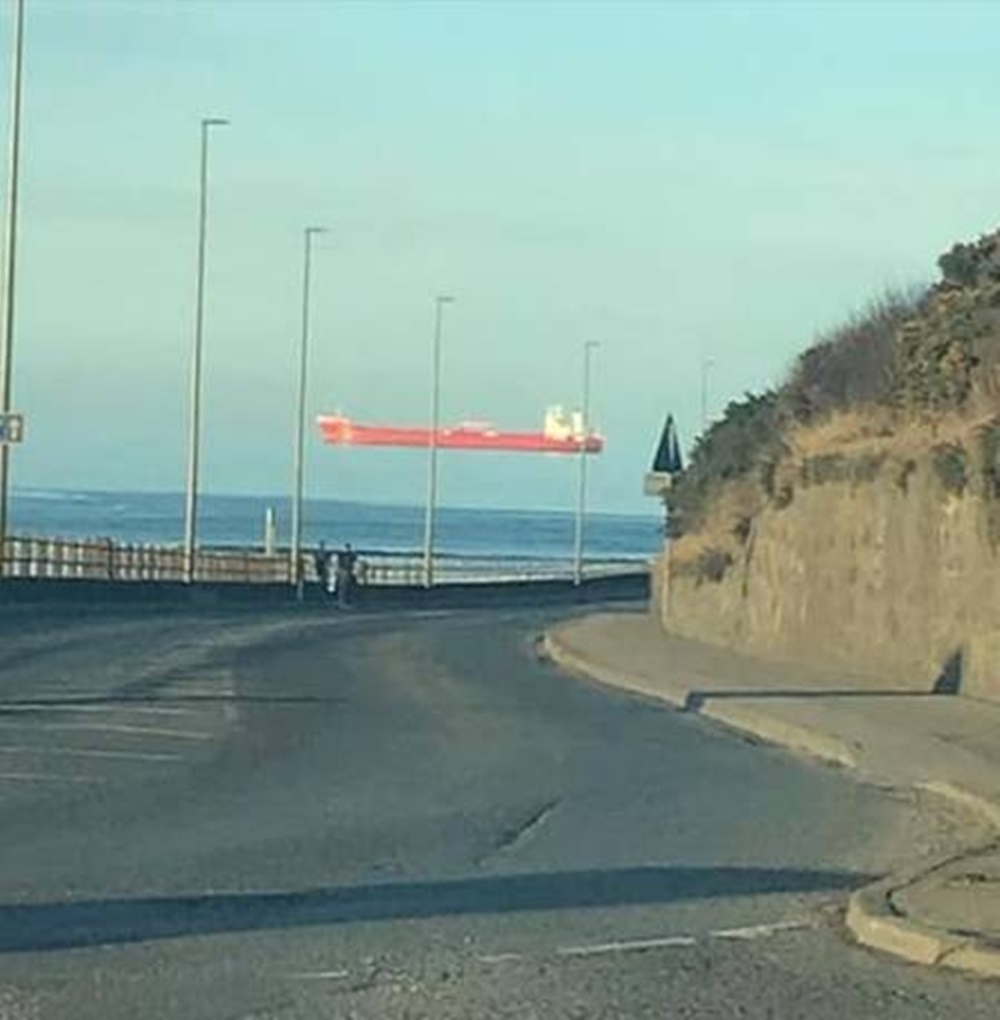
point(791, 736)
point(875, 922)
point(556, 651)
point(989, 811)
point(872, 918)
point(802, 739)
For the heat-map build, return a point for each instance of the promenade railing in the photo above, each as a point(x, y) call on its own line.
point(105, 559)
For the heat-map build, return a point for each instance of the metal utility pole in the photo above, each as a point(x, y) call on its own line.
point(10, 266)
point(581, 497)
point(439, 302)
point(194, 422)
point(296, 572)
point(706, 367)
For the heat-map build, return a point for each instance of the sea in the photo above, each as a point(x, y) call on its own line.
point(142, 517)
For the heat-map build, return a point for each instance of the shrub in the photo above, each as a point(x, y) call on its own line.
point(856, 363)
point(712, 565)
point(747, 436)
point(741, 529)
point(867, 467)
point(960, 265)
point(949, 465)
point(906, 469)
point(825, 468)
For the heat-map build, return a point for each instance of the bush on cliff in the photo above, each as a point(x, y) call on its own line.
point(859, 362)
point(913, 357)
point(746, 437)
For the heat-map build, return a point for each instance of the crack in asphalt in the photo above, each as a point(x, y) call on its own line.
point(513, 838)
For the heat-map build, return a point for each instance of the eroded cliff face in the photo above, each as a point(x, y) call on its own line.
point(883, 565)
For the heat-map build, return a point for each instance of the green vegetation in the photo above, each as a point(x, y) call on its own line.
point(949, 465)
point(919, 352)
point(857, 363)
point(710, 565)
point(744, 440)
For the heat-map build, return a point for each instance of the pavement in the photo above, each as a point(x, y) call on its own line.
point(210, 814)
point(931, 908)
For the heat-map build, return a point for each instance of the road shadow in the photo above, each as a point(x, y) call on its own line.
point(39, 927)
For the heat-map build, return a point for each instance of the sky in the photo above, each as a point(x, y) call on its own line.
point(681, 182)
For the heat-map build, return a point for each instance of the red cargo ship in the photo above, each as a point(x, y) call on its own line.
point(558, 435)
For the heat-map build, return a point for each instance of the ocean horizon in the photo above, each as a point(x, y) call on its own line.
point(238, 520)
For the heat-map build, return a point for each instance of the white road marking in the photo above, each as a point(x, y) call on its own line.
point(629, 946)
point(202, 692)
point(755, 931)
point(500, 958)
point(759, 931)
point(90, 753)
point(321, 975)
point(151, 731)
point(41, 706)
point(39, 777)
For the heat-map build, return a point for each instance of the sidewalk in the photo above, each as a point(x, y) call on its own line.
point(947, 913)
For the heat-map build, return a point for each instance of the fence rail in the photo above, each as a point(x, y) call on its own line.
point(103, 559)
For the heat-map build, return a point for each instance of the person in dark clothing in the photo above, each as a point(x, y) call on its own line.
point(321, 560)
point(347, 560)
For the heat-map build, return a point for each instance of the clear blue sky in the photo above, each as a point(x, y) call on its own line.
point(674, 180)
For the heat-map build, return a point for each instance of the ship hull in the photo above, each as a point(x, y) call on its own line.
point(343, 432)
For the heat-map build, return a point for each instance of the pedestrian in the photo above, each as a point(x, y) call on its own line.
point(321, 561)
point(347, 560)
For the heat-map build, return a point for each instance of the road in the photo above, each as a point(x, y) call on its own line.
point(251, 815)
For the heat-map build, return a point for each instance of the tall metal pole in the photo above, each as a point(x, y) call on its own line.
point(295, 571)
point(581, 494)
point(194, 421)
point(10, 267)
point(706, 367)
point(439, 302)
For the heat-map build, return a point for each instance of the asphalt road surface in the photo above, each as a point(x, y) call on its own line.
point(250, 816)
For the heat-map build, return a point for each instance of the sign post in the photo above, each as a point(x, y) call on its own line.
point(11, 429)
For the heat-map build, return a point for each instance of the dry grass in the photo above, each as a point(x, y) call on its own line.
point(862, 432)
point(880, 431)
point(737, 501)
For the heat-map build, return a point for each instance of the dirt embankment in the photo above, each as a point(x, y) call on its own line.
point(865, 534)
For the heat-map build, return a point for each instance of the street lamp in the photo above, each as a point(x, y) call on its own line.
point(581, 497)
point(706, 367)
point(10, 266)
point(295, 562)
point(194, 423)
point(439, 302)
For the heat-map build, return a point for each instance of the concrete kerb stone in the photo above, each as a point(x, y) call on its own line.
point(985, 808)
point(802, 739)
point(557, 650)
point(975, 958)
point(871, 915)
point(874, 922)
point(729, 713)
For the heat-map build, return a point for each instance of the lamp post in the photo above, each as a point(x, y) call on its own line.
point(194, 421)
point(706, 367)
point(10, 266)
point(295, 562)
point(439, 302)
point(581, 496)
